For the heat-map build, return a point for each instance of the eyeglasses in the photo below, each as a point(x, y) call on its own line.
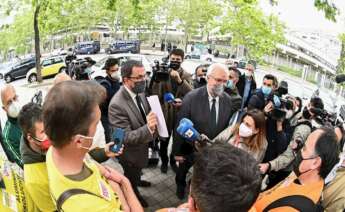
point(140, 77)
point(218, 80)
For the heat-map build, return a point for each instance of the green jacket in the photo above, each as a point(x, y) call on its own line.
point(11, 136)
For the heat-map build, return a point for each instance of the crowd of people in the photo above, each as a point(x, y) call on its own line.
point(260, 148)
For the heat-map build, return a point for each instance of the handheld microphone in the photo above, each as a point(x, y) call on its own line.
point(169, 98)
point(187, 131)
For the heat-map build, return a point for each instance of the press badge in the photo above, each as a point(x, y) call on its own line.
point(104, 191)
point(9, 200)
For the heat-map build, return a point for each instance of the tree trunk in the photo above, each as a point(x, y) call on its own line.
point(37, 43)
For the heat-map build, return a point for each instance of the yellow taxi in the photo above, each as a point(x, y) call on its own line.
point(50, 67)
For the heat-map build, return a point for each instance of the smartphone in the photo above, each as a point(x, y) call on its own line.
point(118, 138)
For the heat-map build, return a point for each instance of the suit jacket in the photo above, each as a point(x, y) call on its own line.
point(196, 107)
point(123, 113)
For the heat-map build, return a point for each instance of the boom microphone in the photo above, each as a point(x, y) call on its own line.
point(340, 78)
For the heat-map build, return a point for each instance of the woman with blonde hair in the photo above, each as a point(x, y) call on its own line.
point(249, 135)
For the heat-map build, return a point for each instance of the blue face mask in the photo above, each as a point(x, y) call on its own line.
point(266, 90)
point(229, 84)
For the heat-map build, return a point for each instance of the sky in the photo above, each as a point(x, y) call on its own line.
point(301, 14)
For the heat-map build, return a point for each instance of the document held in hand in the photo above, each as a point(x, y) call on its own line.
point(157, 109)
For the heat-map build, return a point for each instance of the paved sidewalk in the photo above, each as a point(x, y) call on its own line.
point(162, 192)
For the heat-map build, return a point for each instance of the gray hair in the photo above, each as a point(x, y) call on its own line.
point(217, 66)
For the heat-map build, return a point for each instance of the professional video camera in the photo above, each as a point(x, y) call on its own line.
point(161, 71)
point(324, 117)
point(80, 68)
point(281, 104)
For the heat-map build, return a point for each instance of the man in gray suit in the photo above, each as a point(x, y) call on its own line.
point(210, 109)
point(130, 111)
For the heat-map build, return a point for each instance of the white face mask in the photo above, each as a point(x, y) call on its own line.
point(116, 75)
point(245, 131)
point(248, 73)
point(14, 109)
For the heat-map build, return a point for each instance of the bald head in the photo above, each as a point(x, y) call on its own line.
point(61, 77)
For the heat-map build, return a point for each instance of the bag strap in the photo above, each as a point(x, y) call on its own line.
point(298, 202)
point(69, 193)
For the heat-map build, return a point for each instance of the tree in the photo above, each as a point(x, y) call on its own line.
point(249, 27)
point(194, 15)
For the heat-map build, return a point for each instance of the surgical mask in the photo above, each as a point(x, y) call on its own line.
point(289, 114)
point(175, 65)
point(230, 84)
point(245, 131)
point(217, 90)
point(297, 162)
point(139, 87)
point(87, 138)
point(14, 109)
point(306, 114)
point(116, 75)
point(266, 90)
point(88, 70)
point(248, 73)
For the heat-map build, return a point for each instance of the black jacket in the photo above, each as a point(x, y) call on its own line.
point(196, 107)
point(240, 87)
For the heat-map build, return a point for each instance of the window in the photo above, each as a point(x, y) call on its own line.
point(47, 62)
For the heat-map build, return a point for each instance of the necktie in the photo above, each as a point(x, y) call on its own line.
point(213, 121)
point(142, 112)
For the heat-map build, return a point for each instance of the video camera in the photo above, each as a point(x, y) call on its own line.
point(324, 117)
point(160, 71)
point(281, 105)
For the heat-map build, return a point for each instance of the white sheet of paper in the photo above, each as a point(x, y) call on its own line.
point(157, 109)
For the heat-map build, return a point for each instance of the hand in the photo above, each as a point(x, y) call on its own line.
point(264, 167)
point(179, 159)
point(175, 76)
point(152, 122)
point(111, 154)
point(279, 125)
point(114, 175)
point(269, 107)
point(177, 102)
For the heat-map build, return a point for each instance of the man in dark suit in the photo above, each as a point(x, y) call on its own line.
point(210, 109)
point(128, 110)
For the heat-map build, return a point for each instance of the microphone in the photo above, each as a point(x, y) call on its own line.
point(187, 131)
point(169, 98)
point(340, 78)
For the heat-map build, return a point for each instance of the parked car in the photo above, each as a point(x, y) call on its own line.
point(124, 46)
point(98, 73)
point(87, 47)
point(50, 67)
point(5, 67)
point(20, 69)
point(199, 56)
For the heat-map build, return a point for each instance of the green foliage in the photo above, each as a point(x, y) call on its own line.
point(341, 61)
point(251, 28)
point(329, 9)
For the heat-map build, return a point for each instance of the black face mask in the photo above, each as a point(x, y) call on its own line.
point(175, 65)
point(297, 162)
point(202, 81)
point(306, 114)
